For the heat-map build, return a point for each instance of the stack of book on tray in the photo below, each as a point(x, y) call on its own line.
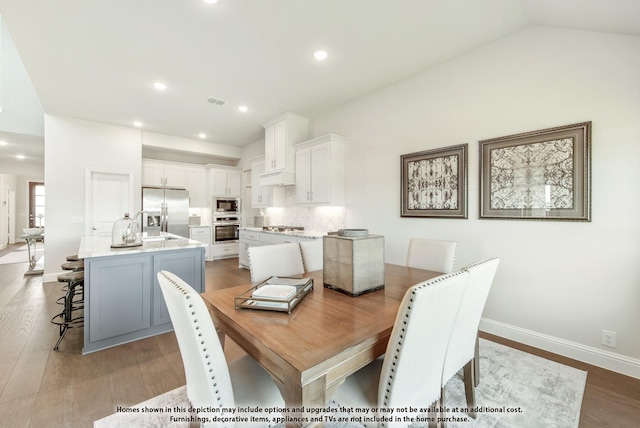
point(275, 294)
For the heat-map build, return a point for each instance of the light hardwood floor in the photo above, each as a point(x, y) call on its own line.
point(40, 387)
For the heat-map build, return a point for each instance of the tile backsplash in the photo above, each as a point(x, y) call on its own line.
point(318, 219)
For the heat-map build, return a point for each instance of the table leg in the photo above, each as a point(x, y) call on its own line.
point(304, 397)
point(31, 254)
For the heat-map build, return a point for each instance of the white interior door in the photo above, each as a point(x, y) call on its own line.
point(109, 196)
point(11, 215)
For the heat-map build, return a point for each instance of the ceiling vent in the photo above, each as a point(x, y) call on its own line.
point(216, 101)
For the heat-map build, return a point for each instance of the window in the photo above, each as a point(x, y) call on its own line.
point(36, 204)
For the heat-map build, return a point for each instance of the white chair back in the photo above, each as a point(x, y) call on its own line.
point(205, 366)
point(413, 361)
point(312, 255)
point(432, 254)
point(462, 344)
point(275, 260)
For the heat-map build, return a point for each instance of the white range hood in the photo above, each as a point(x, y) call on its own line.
point(278, 178)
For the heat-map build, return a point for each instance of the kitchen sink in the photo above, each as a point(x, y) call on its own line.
point(157, 238)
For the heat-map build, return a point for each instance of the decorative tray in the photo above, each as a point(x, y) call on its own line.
point(275, 294)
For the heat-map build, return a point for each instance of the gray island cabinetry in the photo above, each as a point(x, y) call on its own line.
point(123, 300)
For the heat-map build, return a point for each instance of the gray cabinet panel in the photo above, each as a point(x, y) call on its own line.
point(119, 296)
point(188, 266)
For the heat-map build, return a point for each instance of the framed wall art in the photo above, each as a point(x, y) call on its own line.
point(434, 183)
point(539, 175)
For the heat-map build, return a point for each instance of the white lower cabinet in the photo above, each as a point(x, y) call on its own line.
point(250, 238)
point(223, 251)
point(202, 234)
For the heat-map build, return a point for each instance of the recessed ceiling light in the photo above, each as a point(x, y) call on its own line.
point(20, 157)
point(320, 55)
point(211, 1)
point(3, 143)
point(202, 135)
point(159, 86)
point(243, 109)
point(137, 124)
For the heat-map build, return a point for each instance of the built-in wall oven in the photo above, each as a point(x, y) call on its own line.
point(225, 228)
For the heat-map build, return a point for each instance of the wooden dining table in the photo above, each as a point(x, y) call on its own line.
point(328, 335)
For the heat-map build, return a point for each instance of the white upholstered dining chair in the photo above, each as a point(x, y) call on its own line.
point(431, 254)
point(411, 370)
point(275, 260)
point(462, 351)
point(211, 382)
point(312, 254)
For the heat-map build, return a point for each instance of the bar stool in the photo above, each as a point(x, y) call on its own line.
point(66, 319)
point(73, 265)
point(73, 258)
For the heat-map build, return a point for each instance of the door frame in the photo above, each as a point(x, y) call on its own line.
point(11, 215)
point(88, 181)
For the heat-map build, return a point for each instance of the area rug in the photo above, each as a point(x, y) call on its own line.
point(517, 390)
point(20, 256)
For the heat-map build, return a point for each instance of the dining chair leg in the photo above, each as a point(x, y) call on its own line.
point(221, 335)
point(439, 414)
point(469, 387)
point(476, 361)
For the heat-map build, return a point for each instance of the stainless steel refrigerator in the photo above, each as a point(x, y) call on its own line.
point(170, 208)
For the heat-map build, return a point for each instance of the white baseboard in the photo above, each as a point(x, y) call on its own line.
point(51, 277)
point(587, 354)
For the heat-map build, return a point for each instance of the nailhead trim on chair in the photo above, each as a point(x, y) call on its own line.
point(202, 342)
point(398, 345)
point(478, 263)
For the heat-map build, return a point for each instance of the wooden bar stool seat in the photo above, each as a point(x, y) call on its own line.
point(73, 276)
point(73, 258)
point(76, 265)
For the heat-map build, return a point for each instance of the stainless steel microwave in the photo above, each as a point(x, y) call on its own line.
point(226, 205)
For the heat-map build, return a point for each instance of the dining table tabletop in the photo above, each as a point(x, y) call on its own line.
point(326, 337)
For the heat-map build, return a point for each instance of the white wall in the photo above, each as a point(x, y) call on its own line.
point(173, 148)
point(558, 282)
point(71, 147)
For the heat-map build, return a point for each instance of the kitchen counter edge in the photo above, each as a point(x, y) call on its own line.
point(100, 246)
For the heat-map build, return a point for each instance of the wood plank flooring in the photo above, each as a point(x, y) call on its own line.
point(40, 387)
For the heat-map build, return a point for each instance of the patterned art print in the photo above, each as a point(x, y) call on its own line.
point(533, 176)
point(433, 183)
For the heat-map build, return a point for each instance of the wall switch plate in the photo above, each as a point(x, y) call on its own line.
point(609, 338)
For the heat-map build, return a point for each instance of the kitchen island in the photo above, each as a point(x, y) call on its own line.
point(123, 300)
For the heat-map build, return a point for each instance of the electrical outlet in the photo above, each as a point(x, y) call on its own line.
point(609, 338)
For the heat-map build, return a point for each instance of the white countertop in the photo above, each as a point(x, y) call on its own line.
point(301, 233)
point(100, 246)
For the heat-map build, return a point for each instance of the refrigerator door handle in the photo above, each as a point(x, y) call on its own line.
point(166, 218)
point(163, 218)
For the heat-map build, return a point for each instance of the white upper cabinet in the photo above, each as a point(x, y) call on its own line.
point(197, 186)
point(226, 182)
point(158, 173)
point(320, 171)
point(279, 136)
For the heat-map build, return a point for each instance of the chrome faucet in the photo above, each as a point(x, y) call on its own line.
point(133, 233)
point(154, 222)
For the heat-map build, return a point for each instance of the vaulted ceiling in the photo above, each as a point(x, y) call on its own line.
point(98, 60)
